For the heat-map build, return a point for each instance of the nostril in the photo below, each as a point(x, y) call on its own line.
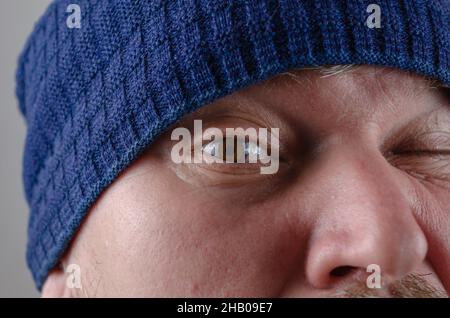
point(342, 271)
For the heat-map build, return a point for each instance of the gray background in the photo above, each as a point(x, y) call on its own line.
point(17, 18)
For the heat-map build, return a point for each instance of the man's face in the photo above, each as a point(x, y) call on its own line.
point(363, 178)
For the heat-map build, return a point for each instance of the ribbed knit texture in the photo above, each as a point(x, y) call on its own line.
point(95, 97)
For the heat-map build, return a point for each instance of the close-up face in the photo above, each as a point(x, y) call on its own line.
point(362, 179)
point(225, 149)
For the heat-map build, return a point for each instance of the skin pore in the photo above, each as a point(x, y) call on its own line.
point(364, 178)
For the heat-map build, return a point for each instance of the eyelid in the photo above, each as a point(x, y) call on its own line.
point(430, 129)
point(433, 168)
point(263, 145)
point(206, 138)
point(243, 116)
point(426, 142)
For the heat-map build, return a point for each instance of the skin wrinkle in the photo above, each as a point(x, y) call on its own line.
point(390, 103)
point(418, 202)
point(433, 142)
point(341, 200)
point(426, 214)
point(400, 138)
point(341, 73)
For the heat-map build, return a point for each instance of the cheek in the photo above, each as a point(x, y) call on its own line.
point(432, 208)
point(168, 239)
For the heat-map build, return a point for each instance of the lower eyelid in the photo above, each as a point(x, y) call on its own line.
point(423, 164)
point(229, 170)
point(422, 151)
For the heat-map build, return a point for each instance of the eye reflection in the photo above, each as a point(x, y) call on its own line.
point(233, 150)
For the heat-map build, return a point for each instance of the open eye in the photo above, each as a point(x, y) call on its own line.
point(232, 150)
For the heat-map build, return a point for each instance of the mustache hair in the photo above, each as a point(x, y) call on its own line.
point(411, 286)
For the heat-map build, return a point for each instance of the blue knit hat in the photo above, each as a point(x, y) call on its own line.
point(94, 97)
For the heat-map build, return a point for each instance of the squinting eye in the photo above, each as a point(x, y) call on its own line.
point(426, 159)
point(232, 151)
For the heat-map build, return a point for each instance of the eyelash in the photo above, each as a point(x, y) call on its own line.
point(420, 153)
point(423, 164)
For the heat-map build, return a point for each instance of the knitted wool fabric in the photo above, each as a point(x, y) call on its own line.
point(94, 97)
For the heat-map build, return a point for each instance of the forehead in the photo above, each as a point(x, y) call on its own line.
point(347, 98)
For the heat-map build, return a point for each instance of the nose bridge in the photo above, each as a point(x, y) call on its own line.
point(356, 179)
point(361, 180)
point(362, 217)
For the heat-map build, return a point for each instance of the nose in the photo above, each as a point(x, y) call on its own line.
point(362, 218)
